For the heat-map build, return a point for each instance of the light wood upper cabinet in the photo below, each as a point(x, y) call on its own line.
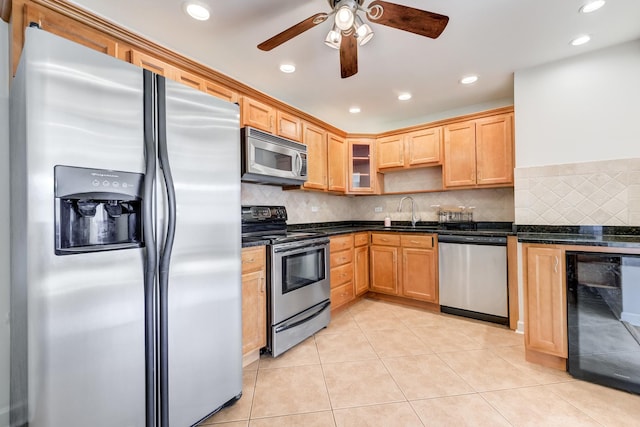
point(479, 152)
point(459, 167)
point(494, 150)
point(153, 64)
point(254, 299)
point(361, 173)
point(256, 114)
point(62, 26)
point(288, 126)
point(190, 80)
point(220, 91)
point(545, 313)
point(336, 166)
point(390, 151)
point(423, 147)
point(315, 139)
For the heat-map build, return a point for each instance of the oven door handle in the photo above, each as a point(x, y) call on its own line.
point(286, 326)
point(294, 249)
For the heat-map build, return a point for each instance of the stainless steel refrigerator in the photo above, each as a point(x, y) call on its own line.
point(126, 292)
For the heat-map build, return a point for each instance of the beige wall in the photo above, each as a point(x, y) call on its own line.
point(577, 146)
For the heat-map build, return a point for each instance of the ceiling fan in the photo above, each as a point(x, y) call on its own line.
point(349, 30)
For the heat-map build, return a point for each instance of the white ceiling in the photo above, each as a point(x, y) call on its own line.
point(490, 38)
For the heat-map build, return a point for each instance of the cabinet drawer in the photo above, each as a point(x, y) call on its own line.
point(342, 294)
point(417, 241)
point(342, 274)
point(341, 257)
point(385, 239)
point(340, 243)
point(253, 259)
point(361, 239)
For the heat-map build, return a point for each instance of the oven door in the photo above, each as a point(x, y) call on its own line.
point(299, 278)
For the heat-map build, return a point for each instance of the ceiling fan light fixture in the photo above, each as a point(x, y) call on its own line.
point(345, 15)
point(197, 10)
point(333, 39)
point(364, 33)
point(592, 6)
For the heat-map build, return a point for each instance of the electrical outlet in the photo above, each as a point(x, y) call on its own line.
point(314, 209)
point(377, 209)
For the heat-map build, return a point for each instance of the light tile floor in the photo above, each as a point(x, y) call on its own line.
point(380, 364)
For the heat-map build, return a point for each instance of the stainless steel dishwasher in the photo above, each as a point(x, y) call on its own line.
point(473, 276)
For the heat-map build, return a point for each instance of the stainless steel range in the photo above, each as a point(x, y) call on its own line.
point(298, 277)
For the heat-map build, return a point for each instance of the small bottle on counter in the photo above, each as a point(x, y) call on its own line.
point(387, 221)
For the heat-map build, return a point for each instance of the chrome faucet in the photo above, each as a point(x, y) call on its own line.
point(414, 218)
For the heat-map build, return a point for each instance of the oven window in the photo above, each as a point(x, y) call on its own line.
point(274, 160)
point(302, 269)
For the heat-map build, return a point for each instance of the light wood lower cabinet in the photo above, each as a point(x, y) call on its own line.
point(405, 265)
point(361, 263)
point(341, 264)
point(419, 261)
point(545, 296)
point(254, 302)
point(384, 263)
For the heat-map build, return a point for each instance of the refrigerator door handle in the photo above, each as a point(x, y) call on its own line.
point(165, 256)
point(151, 256)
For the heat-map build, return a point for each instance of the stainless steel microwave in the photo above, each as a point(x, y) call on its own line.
point(270, 159)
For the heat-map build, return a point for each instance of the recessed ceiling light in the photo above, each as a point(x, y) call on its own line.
point(354, 110)
point(467, 80)
point(197, 10)
point(287, 68)
point(580, 40)
point(404, 96)
point(592, 6)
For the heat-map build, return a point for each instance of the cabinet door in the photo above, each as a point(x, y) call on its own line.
point(360, 160)
point(190, 79)
point(423, 146)
point(254, 305)
point(256, 114)
point(361, 269)
point(390, 151)
point(288, 126)
point(316, 141)
point(384, 269)
point(68, 28)
point(220, 91)
point(546, 301)
point(153, 64)
point(494, 150)
point(419, 274)
point(459, 166)
point(337, 154)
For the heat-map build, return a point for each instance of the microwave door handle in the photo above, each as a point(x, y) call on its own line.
point(299, 164)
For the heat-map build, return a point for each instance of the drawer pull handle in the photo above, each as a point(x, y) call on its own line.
point(251, 260)
point(415, 241)
point(555, 267)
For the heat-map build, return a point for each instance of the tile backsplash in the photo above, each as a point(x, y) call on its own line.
point(592, 193)
point(312, 206)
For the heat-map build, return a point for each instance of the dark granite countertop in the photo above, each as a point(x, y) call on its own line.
point(490, 229)
point(617, 237)
point(252, 241)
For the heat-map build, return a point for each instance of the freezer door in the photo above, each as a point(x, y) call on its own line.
point(204, 287)
point(77, 320)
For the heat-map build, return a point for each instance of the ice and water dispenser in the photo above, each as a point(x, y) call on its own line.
point(97, 210)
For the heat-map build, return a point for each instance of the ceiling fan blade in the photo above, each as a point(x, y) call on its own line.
point(348, 56)
point(293, 31)
point(407, 18)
